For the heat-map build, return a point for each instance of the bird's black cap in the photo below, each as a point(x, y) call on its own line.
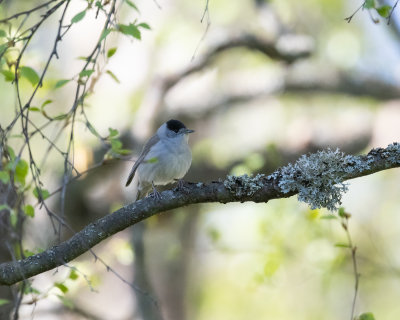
point(175, 125)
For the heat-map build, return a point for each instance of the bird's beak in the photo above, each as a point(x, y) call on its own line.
point(188, 131)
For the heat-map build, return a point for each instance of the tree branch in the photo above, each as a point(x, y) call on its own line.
point(245, 40)
point(357, 85)
point(319, 170)
point(158, 89)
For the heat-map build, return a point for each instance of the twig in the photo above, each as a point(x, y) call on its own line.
point(348, 19)
point(353, 249)
point(391, 12)
point(28, 12)
point(205, 13)
point(157, 4)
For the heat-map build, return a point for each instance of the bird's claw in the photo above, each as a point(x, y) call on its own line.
point(181, 184)
point(155, 194)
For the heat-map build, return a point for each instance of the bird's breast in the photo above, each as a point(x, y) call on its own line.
point(165, 162)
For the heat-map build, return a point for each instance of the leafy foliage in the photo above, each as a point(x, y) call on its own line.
point(384, 11)
point(29, 211)
point(111, 52)
point(30, 74)
point(61, 83)
point(4, 301)
point(130, 29)
point(23, 169)
point(41, 194)
point(366, 316)
point(61, 286)
point(78, 17)
point(369, 4)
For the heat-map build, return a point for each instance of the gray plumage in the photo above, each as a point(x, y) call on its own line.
point(152, 141)
point(165, 157)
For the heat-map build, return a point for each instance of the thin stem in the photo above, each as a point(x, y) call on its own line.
point(353, 249)
point(27, 12)
point(348, 19)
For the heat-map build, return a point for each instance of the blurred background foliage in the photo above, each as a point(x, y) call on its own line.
point(332, 84)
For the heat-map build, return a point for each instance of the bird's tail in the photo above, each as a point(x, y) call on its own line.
point(130, 178)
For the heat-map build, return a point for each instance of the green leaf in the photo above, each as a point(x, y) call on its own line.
point(132, 5)
point(30, 289)
point(9, 76)
point(384, 11)
point(111, 52)
point(144, 25)
point(29, 211)
point(3, 48)
point(98, 4)
point(11, 152)
point(369, 4)
point(123, 151)
point(61, 286)
point(113, 132)
point(104, 35)
point(45, 103)
point(73, 275)
point(4, 177)
point(328, 217)
point(66, 302)
point(214, 234)
point(366, 316)
point(35, 109)
point(116, 144)
point(3, 34)
point(5, 207)
point(45, 194)
point(4, 301)
point(61, 116)
point(30, 74)
point(341, 212)
point(112, 75)
point(78, 17)
point(130, 30)
point(13, 218)
point(342, 245)
point(84, 58)
point(62, 82)
point(92, 130)
point(21, 170)
point(152, 160)
point(28, 253)
point(86, 73)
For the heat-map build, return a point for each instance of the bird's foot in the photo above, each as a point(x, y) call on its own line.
point(155, 194)
point(181, 184)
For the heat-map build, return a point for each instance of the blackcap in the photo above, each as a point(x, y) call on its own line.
point(165, 157)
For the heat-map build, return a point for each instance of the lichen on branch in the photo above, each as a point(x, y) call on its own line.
point(244, 185)
point(318, 178)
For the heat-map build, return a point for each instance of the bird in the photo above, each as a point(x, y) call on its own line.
point(165, 158)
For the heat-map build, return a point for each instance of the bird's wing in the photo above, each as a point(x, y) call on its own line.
point(151, 142)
